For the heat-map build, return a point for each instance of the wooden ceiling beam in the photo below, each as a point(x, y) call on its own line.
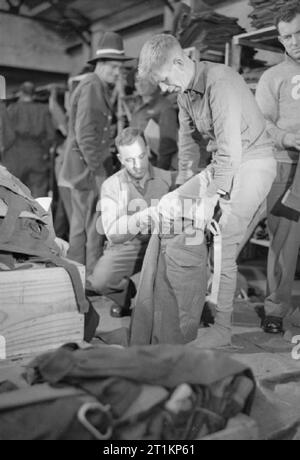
point(39, 9)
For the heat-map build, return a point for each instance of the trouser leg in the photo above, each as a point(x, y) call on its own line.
point(94, 241)
point(38, 183)
point(66, 197)
point(111, 274)
point(77, 250)
point(251, 186)
point(186, 272)
point(284, 229)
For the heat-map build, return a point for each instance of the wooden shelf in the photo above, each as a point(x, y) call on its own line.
point(264, 39)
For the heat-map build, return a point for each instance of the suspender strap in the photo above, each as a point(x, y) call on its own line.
point(215, 229)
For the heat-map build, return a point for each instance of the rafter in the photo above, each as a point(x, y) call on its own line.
point(41, 8)
point(14, 5)
point(71, 24)
point(169, 5)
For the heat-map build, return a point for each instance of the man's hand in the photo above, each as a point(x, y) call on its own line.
point(148, 217)
point(292, 141)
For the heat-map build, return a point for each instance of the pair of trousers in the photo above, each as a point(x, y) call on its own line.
point(179, 290)
point(284, 228)
point(85, 242)
point(113, 270)
point(292, 198)
point(251, 185)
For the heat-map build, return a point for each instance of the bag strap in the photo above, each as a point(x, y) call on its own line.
point(33, 395)
point(81, 300)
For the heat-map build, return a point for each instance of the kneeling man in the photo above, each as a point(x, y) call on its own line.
point(125, 219)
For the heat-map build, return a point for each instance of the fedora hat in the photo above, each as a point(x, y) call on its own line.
point(110, 46)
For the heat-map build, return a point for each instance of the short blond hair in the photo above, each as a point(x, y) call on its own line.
point(155, 53)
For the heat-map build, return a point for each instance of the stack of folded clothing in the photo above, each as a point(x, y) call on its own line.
point(200, 26)
point(265, 10)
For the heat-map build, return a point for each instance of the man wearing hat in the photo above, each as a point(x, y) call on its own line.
point(88, 147)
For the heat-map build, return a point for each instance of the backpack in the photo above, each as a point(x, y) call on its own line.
point(26, 230)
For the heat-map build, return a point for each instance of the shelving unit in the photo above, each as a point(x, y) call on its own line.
point(264, 39)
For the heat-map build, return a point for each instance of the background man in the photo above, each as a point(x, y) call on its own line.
point(156, 107)
point(29, 157)
point(125, 198)
point(278, 95)
point(88, 147)
point(215, 101)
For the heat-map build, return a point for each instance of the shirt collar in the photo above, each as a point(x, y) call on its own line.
point(148, 176)
point(197, 84)
point(291, 60)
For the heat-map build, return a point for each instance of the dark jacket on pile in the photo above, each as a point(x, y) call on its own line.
point(133, 386)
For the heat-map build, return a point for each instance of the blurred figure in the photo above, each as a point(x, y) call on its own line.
point(7, 133)
point(28, 158)
point(157, 118)
point(278, 95)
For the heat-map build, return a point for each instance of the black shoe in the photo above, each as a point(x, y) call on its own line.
point(90, 293)
point(117, 311)
point(208, 314)
point(272, 325)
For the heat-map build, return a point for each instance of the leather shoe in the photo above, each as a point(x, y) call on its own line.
point(117, 311)
point(272, 325)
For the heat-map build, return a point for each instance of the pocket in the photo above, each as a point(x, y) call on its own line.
point(184, 255)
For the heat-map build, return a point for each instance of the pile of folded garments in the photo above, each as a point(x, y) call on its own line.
point(201, 27)
point(265, 10)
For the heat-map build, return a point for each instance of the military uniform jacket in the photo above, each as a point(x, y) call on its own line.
point(89, 133)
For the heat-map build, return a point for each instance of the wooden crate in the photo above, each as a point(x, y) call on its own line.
point(38, 311)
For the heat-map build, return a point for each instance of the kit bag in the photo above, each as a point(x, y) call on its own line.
point(26, 231)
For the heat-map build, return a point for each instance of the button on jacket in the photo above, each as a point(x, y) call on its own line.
point(220, 106)
point(89, 132)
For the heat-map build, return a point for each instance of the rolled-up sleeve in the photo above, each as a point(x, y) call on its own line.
point(226, 112)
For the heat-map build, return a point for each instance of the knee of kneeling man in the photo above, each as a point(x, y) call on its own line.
point(99, 281)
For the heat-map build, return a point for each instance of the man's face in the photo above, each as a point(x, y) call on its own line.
point(111, 71)
point(134, 158)
point(289, 36)
point(172, 76)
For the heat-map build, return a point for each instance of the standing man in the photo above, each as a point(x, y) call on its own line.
point(29, 157)
point(215, 101)
point(156, 107)
point(88, 147)
point(278, 95)
point(126, 200)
